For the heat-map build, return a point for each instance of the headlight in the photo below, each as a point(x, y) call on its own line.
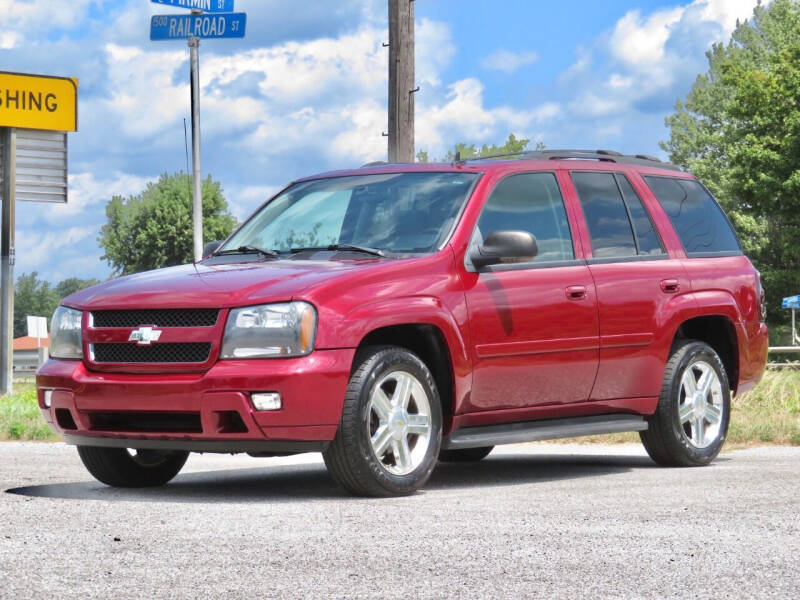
point(269, 330)
point(65, 330)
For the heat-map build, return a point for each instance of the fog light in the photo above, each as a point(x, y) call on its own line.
point(266, 401)
point(47, 398)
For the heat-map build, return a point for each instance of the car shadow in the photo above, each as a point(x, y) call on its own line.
point(312, 482)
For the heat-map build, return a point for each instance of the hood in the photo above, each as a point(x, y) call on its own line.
point(214, 285)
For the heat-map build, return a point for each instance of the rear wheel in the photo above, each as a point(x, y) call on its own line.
point(465, 454)
point(390, 432)
point(690, 424)
point(120, 467)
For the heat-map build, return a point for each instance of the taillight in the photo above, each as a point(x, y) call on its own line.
point(762, 297)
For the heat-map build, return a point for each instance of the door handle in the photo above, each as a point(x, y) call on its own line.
point(576, 292)
point(670, 286)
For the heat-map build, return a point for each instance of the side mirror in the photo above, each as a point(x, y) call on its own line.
point(505, 247)
point(210, 247)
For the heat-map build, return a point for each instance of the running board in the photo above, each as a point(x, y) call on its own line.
point(534, 431)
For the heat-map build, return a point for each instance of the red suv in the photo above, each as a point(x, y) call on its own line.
point(397, 314)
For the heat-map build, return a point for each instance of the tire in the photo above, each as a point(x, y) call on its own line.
point(465, 454)
point(119, 467)
point(374, 424)
point(686, 431)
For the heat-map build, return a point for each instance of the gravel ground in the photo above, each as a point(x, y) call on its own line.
point(550, 521)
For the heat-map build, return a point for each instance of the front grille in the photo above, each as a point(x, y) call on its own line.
point(169, 317)
point(146, 422)
point(197, 352)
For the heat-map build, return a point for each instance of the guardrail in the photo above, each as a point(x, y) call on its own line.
point(784, 350)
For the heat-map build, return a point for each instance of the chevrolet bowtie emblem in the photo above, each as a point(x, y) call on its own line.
point(144, 336)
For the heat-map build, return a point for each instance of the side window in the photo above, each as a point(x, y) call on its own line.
point(697, 218)
point(647, 240)
point(530, 202)
point(606, 216)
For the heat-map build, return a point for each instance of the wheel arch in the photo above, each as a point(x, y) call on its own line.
point(719, 332)
point(427, 341)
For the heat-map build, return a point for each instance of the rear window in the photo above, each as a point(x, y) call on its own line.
point(697, 218)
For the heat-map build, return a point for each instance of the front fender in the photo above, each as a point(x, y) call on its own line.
point(408, 310)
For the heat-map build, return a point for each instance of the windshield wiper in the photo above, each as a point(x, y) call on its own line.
point(248, 250)
point(353, 247)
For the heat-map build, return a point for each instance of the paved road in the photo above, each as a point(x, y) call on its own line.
point(537, 520)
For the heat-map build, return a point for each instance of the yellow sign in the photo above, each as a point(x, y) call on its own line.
point(38, 102)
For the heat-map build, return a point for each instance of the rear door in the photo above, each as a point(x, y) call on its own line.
point(635, 278)
point(533, 325)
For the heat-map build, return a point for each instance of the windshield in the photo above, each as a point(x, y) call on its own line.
point(394, 212)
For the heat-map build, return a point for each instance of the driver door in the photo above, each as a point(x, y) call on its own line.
point(534, 325)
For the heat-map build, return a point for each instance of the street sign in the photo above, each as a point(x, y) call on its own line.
point(209, 6)
point(38, 102)
point(37, 327)
point(791, 302)
point(181, 27)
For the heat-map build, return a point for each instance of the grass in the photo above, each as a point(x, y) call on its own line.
point(20, 418)
point(770, 414)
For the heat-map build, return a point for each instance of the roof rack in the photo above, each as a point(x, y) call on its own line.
point(599, 155)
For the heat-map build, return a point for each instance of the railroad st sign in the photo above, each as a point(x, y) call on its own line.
point(38, 102)
point(183, 27)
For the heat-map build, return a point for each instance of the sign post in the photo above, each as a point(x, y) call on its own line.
point(220, 22)
point(7, 141)
point(197, 201)
point(36, 111)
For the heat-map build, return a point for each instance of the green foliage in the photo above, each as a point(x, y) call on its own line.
point(738, 130)
point(34, 296)
point(20, 417)
point(154, 229)
point(512, 145)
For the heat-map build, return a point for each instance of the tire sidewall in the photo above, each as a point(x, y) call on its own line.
point(695, 352)
point(384, 363)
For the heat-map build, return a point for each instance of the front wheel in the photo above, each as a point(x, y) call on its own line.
point(120, 467)
point(690, 424)
point(391, 426)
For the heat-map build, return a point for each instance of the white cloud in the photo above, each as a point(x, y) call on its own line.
point(50, 14)
point(640, 41)
point(464, 117)
point(507, 61)
point(9, 39)
point(37, 249)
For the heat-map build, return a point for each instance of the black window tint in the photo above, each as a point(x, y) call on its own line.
point(647, 238)
point(695, 215)
point(606, 217)
point(530, 202)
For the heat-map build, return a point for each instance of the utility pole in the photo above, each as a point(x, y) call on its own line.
point(401, 81)
point(7, 191)
point(197, 202)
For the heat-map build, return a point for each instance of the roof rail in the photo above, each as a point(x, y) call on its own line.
point(599, 155)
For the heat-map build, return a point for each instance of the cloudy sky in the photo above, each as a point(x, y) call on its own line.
point(305, 91)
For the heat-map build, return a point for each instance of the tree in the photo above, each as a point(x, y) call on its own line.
point(72, 285)
point(511, 146)
point(738, 130)
point(154, 229)
point(32, 296)
point(36, 297)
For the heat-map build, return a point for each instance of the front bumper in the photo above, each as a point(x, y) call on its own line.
point(204, 412)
